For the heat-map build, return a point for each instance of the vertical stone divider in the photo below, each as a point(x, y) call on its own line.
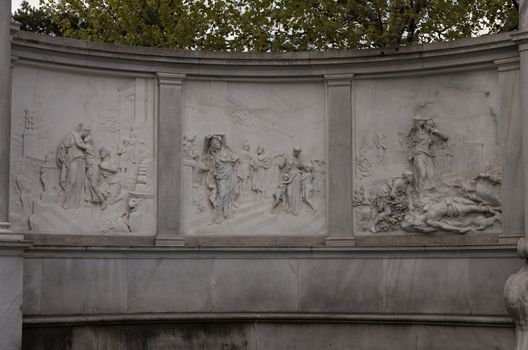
point(516, 288)
point(340, 158)
point(170, 109)
point(510, 125)
point(5, 111)
point(11, 245)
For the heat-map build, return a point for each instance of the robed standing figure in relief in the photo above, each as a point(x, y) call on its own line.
point(219, 163)
point(71, 160)
point(421, 140)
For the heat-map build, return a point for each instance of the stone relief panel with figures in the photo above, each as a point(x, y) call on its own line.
point(428, 156)
point(82, 154)
point(253, 158)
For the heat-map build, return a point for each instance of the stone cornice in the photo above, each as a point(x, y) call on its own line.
point(482, 51)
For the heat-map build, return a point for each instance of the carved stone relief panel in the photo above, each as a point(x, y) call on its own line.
point(82, 153)
point(254, 158)
point(427, 156)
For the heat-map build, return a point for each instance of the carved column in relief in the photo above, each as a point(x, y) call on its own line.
point(516, 288)
point(5, 111)
point(170, 159)
point(339, 109)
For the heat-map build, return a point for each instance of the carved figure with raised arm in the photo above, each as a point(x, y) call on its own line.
point(422, 139)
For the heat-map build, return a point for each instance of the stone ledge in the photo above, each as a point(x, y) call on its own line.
point(430, 319)
point(452, 251)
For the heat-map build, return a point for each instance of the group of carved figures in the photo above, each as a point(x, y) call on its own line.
point(228, 175)
point(417, 202)
point(88, 177)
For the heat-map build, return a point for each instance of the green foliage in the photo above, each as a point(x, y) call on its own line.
point(35, 20)
point(270, 25)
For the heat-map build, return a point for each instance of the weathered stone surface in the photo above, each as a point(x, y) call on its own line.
point(83, 286)
point(11, 298)
point(254, 285)
point(268, 336)
point(265, 150)
point(169, 285)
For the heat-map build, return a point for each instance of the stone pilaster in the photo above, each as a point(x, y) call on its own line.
point(511, 134)
point(516, 288)
point(5, 111)
point(340, 153)
point(170, 159)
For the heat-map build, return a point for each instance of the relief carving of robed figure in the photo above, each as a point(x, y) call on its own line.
point(421, 139)
point(219, 163)
point(71, 160)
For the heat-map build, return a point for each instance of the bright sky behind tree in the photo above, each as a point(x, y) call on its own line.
point(16, 4)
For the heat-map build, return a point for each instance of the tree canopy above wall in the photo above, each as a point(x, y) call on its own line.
point(268, 25)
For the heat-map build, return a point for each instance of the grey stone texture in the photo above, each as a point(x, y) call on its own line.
point(11, 294)
point(149, 277)
point(410, 298)
point(268, 336)
point(459, 283)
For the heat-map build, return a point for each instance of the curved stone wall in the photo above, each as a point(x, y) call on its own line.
point(353, 115)
point(311, 200)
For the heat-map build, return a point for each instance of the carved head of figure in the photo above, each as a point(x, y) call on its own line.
point(83, 130)
point(429, 125)
point(408, 176)
point(215, 144)
point(189, 139)
point(133, 203)
point(418, 121)
point(104, 152)
point(246, 146)
point(260, 150)
point(297, 151)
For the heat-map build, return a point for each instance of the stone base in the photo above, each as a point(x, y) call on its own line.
point(4, 227)
point(170, 241)
point(510, 238)
point(427, 239)
point(340, 241)
point(255, 240)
